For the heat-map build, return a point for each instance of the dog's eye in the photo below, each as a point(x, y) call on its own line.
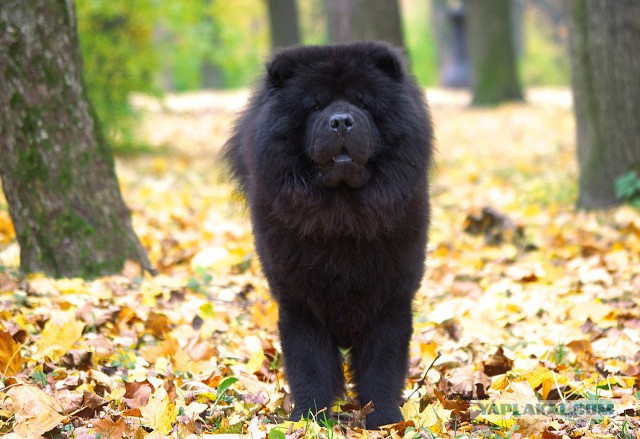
point(362, 104)
point(316, 104)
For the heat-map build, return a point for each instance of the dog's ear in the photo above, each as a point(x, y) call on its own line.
point(280, 69)
point(388, 60)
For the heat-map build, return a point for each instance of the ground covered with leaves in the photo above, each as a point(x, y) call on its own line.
point(527, 323)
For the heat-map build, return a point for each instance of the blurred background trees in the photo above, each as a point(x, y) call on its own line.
point(155, 46)
point(283, 22)
point(492, 33)
point(493, 47)
point(496, 48)
point(350, 20)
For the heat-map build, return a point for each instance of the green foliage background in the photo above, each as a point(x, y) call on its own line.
point(152, 46)
point(119, 58)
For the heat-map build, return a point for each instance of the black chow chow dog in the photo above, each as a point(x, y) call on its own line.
point(332, 153)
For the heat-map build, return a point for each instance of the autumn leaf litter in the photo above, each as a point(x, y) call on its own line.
point(525, 300)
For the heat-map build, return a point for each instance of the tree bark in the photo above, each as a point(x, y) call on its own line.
point(283, 18)
point(604, 40)
point(352, 20)
point(57, 171)
point(493, 56)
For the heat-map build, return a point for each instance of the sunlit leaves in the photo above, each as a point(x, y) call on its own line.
point(58, 337)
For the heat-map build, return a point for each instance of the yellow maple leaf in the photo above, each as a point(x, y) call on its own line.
point(434, 416)
point(58, 337)
point(538, 376)
point(255, 362)
point(160, 412)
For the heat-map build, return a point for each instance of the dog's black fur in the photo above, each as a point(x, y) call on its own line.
point(332, 153)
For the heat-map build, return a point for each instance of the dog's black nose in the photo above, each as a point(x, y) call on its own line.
point(341, 122)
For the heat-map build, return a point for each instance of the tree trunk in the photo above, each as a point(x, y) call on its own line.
point(450, 31)
point(493, 57)
point(283, 18)
point(352, 20)
point(211, 76)
point(57, 171)
point(604, 40)
point(339, 21)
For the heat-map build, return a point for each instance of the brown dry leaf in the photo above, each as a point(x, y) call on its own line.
point(468, 382)
point(35, 411)
point(69, 400)
point(97, 317)
point(158, 325)
point(137, 393)
point(109, 429)
point(359, 415)
point(90, 403)
point(547, 433)
point(79, 403)
point(454, 403)
point(77, 359)
point(497, 364)
point(398, 430)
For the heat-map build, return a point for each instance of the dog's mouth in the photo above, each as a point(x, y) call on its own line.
point(342, 169)
point(342, 159)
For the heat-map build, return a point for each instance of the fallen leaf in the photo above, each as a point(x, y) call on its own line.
point(58, 337)
point(11, 362)
point(109, 429)
point(497, 364)
point(35, 411)
point(160, 412)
